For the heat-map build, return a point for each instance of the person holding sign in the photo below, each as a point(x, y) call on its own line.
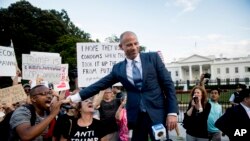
point(151, 95)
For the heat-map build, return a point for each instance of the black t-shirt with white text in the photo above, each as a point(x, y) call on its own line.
point(94, 132)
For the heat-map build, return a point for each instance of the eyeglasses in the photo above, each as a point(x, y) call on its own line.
point(45, 93)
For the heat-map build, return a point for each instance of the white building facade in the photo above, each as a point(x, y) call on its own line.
point(192, 67)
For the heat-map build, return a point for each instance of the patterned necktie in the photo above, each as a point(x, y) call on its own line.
point(136, 75)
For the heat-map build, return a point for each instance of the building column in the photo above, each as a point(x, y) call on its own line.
point(201, 70)
point(180, 70)
point(212, 72)
point(190, 73)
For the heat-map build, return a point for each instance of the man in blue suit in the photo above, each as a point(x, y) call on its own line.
point(150, 90)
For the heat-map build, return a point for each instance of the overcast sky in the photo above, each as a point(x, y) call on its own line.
point(177, 28)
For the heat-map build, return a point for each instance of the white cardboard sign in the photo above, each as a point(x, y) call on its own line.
point(45, 53)
point(7, 61)
point(48, 67)
point(95, 60)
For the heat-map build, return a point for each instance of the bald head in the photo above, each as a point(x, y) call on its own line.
point(129, 44)
point(126, 33)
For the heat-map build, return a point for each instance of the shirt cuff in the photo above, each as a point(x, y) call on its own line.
point(75, 98)
point(172, 114)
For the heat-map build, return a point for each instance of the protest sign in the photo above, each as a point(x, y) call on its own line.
point(12, 94)
point(48, 67)
point(7, 61)
point(63, 85)
point(34, 83)
point(45, 53)
point(64, 82)
point(95, 60)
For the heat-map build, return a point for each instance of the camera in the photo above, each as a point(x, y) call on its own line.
point(207, 75)
point(195, 98)
point(67, 106)
point(159, 132)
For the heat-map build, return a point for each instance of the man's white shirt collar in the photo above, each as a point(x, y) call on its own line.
point(137, 59)
point(245, 107)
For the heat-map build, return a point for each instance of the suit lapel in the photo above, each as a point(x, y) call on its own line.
point(123, 69)
point(144, 67)
point(124, 72)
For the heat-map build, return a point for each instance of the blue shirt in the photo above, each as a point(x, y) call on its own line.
point(214, 114)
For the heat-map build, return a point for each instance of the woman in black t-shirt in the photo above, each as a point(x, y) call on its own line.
point(195, 118)
point(86, 127)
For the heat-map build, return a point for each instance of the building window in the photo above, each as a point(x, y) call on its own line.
point(236, 70)
point(218, 70)
point(227, 70)
point(176, 73)
point(247, 80)
point(247, 69)
point(237, 80)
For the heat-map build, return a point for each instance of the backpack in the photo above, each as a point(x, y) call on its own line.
point(5, 126)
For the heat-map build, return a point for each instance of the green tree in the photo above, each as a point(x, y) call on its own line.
point(112, 39)
point(115, 39)
point(33, 29)
point(30, 28)
point(66, 46)
point(142, 48)
point(71, 27)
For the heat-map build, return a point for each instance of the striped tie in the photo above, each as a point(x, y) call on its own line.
point(136, 75)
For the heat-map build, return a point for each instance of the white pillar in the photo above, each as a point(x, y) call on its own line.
point(212, 72)
point(190, 73)
point(180, 70)
point(201, 70)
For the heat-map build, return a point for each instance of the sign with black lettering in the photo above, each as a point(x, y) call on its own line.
point(95, 60)
point(48, 67)
point(7, 61)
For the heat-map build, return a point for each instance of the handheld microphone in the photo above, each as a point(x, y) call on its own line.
point(159, 132)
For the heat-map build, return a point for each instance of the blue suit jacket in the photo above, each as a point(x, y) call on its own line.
point(157, 92)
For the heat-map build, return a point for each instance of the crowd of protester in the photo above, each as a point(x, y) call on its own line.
point(102, 113)
point(103, 117)
point(42, 116)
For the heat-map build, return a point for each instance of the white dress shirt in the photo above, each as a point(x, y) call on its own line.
point(247, 109)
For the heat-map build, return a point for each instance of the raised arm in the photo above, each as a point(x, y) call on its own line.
point(97, 99)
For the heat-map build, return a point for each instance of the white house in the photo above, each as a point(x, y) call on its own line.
point(192, 67)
